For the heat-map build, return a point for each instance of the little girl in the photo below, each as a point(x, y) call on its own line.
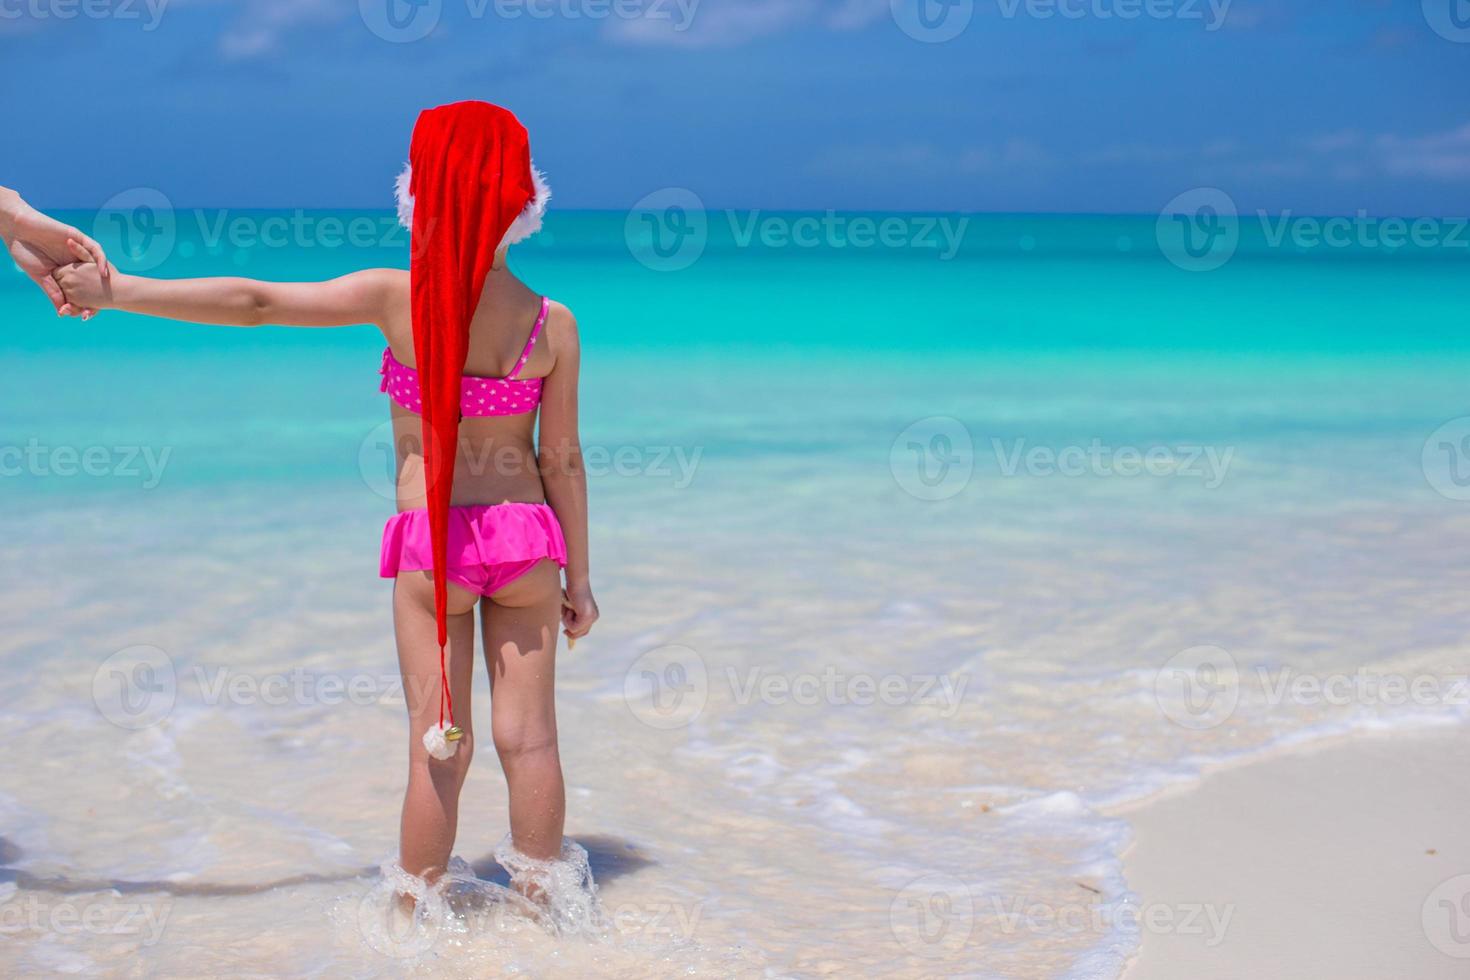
point(488, 514)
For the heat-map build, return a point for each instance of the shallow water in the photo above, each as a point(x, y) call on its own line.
point(885, 633)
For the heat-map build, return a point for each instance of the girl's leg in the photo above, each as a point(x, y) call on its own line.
point(520, 624)
point(431, 805)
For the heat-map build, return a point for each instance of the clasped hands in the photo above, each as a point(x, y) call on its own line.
point(42, 247)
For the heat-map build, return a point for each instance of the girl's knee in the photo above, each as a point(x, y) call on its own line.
point(521, 739)
point(450, 772)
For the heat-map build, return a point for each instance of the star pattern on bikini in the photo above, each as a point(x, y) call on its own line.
point(478, 397)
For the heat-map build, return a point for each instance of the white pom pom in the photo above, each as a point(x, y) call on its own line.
point(439, 747)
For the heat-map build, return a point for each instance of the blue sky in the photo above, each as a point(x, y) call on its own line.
point(1319, 106)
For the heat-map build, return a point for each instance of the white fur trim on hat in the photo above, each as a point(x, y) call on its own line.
point(527, 223)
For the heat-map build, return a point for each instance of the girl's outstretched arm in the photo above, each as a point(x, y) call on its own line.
point(362, 297)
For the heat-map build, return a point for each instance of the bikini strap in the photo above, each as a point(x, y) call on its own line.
point(535, 332)
point(387, 363)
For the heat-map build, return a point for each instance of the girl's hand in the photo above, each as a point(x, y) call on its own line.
point(83, 286)
point(39, 244)
point(578, 613)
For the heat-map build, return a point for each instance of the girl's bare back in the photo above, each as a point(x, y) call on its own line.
point(497, 458)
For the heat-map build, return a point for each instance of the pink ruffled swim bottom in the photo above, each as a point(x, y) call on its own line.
point(490, 546)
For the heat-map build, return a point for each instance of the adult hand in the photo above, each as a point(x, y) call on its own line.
point(38, 244)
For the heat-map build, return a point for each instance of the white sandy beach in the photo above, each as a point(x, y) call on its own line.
point(1346, 860)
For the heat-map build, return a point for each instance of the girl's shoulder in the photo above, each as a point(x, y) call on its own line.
point(559, 319)
point(395, 287)
point(560, 327)
point(397, 282)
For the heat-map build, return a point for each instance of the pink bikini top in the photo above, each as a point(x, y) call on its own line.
point(478, 396)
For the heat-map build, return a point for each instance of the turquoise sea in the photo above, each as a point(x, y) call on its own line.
point(917, 557)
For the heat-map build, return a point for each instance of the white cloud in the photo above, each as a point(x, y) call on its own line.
point(1440, 156)
point(850, 15)
point(710, 24)
point(263, 23)
point(1145, 154)
point(1352, 155)
point(1346, 156)
point(260, 26)
point(1012, 153)
point(729, 23)
point(1336, 142)
point(927, 161)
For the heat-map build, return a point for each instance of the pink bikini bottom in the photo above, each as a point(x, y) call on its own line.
point(489, 546)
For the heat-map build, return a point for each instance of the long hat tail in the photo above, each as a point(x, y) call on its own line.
point(471, 178)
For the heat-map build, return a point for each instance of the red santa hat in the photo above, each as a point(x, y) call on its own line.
point(526, 224)
point(468, 191)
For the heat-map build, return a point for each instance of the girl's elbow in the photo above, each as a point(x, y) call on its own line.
point(244, 304)
point(560, 461)
point(256, 310)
